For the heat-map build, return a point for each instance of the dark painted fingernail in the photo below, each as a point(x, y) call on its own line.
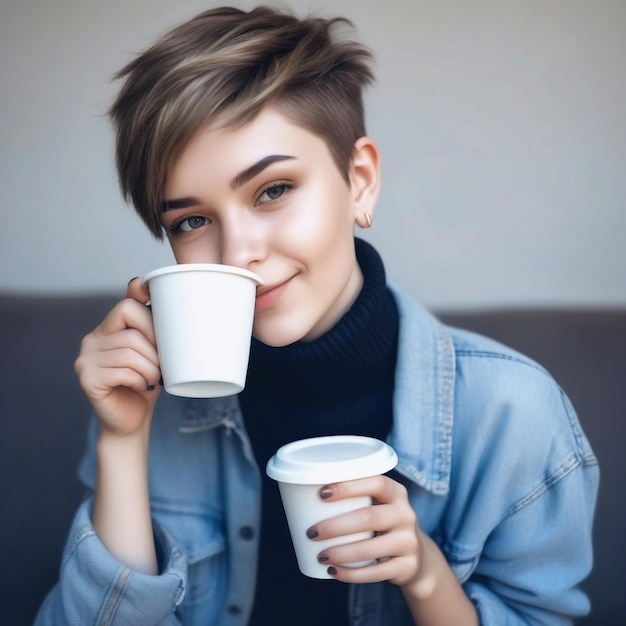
point(326, 492)
point(311, 533)
point(331, 570)
point(322, 557)
point(150, 387)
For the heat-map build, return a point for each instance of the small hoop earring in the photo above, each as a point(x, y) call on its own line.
point(368, 220)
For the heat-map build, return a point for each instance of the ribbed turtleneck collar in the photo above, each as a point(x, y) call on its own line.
point(349, 355)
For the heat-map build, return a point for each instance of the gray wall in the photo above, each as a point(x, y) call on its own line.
point(502, 127)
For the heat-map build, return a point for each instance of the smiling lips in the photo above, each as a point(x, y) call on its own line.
point(268, 296)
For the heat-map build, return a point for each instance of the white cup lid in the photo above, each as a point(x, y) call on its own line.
point(336, 458)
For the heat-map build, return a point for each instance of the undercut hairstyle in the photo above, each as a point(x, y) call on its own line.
point(223, 67)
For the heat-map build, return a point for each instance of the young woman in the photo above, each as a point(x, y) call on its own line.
point(240, 138)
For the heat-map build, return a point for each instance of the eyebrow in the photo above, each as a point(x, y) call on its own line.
point(241, 179)
point(180, 203)
point(254, 170)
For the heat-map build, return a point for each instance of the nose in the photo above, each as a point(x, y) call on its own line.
point(243, 241)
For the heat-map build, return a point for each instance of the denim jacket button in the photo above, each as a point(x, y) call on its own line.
point(246, 532)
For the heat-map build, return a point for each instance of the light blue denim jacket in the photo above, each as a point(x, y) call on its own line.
point(491, 451)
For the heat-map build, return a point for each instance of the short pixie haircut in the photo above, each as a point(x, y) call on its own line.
point(224, 66)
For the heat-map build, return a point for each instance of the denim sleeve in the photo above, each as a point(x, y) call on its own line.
point(95, 588)
point(534, 561)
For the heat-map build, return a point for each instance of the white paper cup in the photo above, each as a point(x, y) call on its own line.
point(203, 317)
point(302, 467)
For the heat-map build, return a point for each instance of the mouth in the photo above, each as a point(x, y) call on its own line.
point(268, 295)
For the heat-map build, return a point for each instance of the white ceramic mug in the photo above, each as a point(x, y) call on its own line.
point(203, 316)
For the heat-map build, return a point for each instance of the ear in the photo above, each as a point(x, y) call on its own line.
point(365, 180)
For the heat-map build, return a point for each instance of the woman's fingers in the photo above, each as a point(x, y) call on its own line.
point(118, 364)
point(381, 488)
point(394, 556)
point(120, 358)
point(111, 378)
point(129, 339)
point(129, 313)
point(121, 351)
point(394, 546)
point(138, 291)
point(397, 570)
point(378, 547)
point(391, 508)
point(127, 359)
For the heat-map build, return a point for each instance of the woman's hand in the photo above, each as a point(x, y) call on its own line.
point(404, 554)
point(396, 541)
point(118, 365)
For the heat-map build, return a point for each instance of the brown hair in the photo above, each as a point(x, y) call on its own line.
point(232, 63)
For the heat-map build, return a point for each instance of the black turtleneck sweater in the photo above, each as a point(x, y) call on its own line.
point(340, 383)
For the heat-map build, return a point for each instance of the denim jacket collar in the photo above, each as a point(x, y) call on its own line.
point(424, 397)
point(201, 415)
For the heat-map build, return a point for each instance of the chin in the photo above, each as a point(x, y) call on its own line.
point(277, 335)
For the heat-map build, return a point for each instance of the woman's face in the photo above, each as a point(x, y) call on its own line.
point(268, 197)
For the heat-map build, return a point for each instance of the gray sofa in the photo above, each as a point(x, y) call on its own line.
point(43, 417)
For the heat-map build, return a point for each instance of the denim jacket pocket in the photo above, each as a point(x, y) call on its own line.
point(199, 532)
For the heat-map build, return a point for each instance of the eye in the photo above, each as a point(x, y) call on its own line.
point(273, 192)
point(190, 223)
